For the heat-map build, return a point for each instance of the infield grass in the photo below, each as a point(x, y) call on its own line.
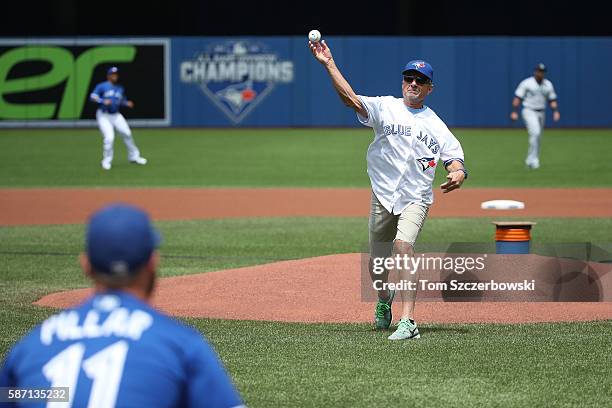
point(349, 365)
point(286, 158)
point(276, 364)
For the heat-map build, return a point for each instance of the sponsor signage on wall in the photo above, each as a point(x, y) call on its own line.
point(48, 82)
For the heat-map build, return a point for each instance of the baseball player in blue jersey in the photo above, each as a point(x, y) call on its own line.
point(533, 93)
point(110, 97)
point(115, 350)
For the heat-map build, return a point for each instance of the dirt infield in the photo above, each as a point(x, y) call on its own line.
point(324, 289)
point(69, 206)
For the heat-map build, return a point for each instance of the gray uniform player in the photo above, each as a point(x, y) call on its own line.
point(534, 92)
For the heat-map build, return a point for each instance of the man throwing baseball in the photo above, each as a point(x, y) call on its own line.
point(115, 349)
point(409, 142)
point(110, 97)
point(533, 92)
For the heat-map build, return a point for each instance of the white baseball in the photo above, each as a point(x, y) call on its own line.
point(314, 36)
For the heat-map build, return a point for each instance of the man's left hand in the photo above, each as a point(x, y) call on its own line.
point(453, 182)
point(556, 116)
point(129, 104)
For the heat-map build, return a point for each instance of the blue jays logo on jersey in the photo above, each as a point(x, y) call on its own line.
point(236, 75)
point(427, 162)
point(112, 93)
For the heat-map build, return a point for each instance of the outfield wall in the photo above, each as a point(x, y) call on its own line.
point(274, 81)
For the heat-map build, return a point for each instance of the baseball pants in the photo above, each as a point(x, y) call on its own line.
point(108, 122)
point(534, 121)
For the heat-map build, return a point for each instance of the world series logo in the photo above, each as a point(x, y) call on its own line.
point(237, 75)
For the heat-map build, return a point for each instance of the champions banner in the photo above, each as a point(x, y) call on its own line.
point(233, 81)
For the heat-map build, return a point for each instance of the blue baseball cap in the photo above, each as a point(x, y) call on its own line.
point(120, 239)
point(112, 70)
point(420, 66)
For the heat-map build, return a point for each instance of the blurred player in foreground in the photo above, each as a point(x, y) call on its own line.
point(110, 97)
point(409, 141)
point(115, 349)
point(533, 92)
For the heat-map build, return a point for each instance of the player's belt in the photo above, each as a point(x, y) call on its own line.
point(537, 110)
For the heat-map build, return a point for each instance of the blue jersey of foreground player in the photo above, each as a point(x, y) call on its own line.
point(115, 350)
point(108, 91)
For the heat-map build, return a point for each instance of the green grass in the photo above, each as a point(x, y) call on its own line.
point(346, 365)
point(277, 364)
point(286, 157)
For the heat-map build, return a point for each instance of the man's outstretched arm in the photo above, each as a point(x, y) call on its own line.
point(323, 54)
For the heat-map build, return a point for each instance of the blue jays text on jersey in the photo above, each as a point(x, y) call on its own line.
point(109, 91)
point(406, 130)
point(115, 350)
point(395, 129)
point(430, 141)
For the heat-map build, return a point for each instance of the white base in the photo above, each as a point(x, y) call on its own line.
point(502, 205)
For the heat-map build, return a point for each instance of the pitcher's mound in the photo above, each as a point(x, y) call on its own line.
point(323, 289)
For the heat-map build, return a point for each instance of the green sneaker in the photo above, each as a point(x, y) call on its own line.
point(406, 330)
point(382, 314)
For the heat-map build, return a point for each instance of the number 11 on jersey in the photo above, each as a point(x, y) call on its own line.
point(104, 368)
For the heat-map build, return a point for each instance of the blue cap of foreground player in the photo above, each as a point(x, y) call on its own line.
point(120, 239)
point(112, 70)
point(420, 66)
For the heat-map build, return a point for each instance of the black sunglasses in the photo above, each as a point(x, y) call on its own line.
point(419, 80)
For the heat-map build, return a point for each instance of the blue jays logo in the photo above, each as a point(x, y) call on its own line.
point(419, 64)
point(236, 75)
point(427, 162)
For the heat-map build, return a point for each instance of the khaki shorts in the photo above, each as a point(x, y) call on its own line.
point(386, 227)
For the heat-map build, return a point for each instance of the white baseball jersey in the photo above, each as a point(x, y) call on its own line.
point(535, 95)
point(408, 146)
